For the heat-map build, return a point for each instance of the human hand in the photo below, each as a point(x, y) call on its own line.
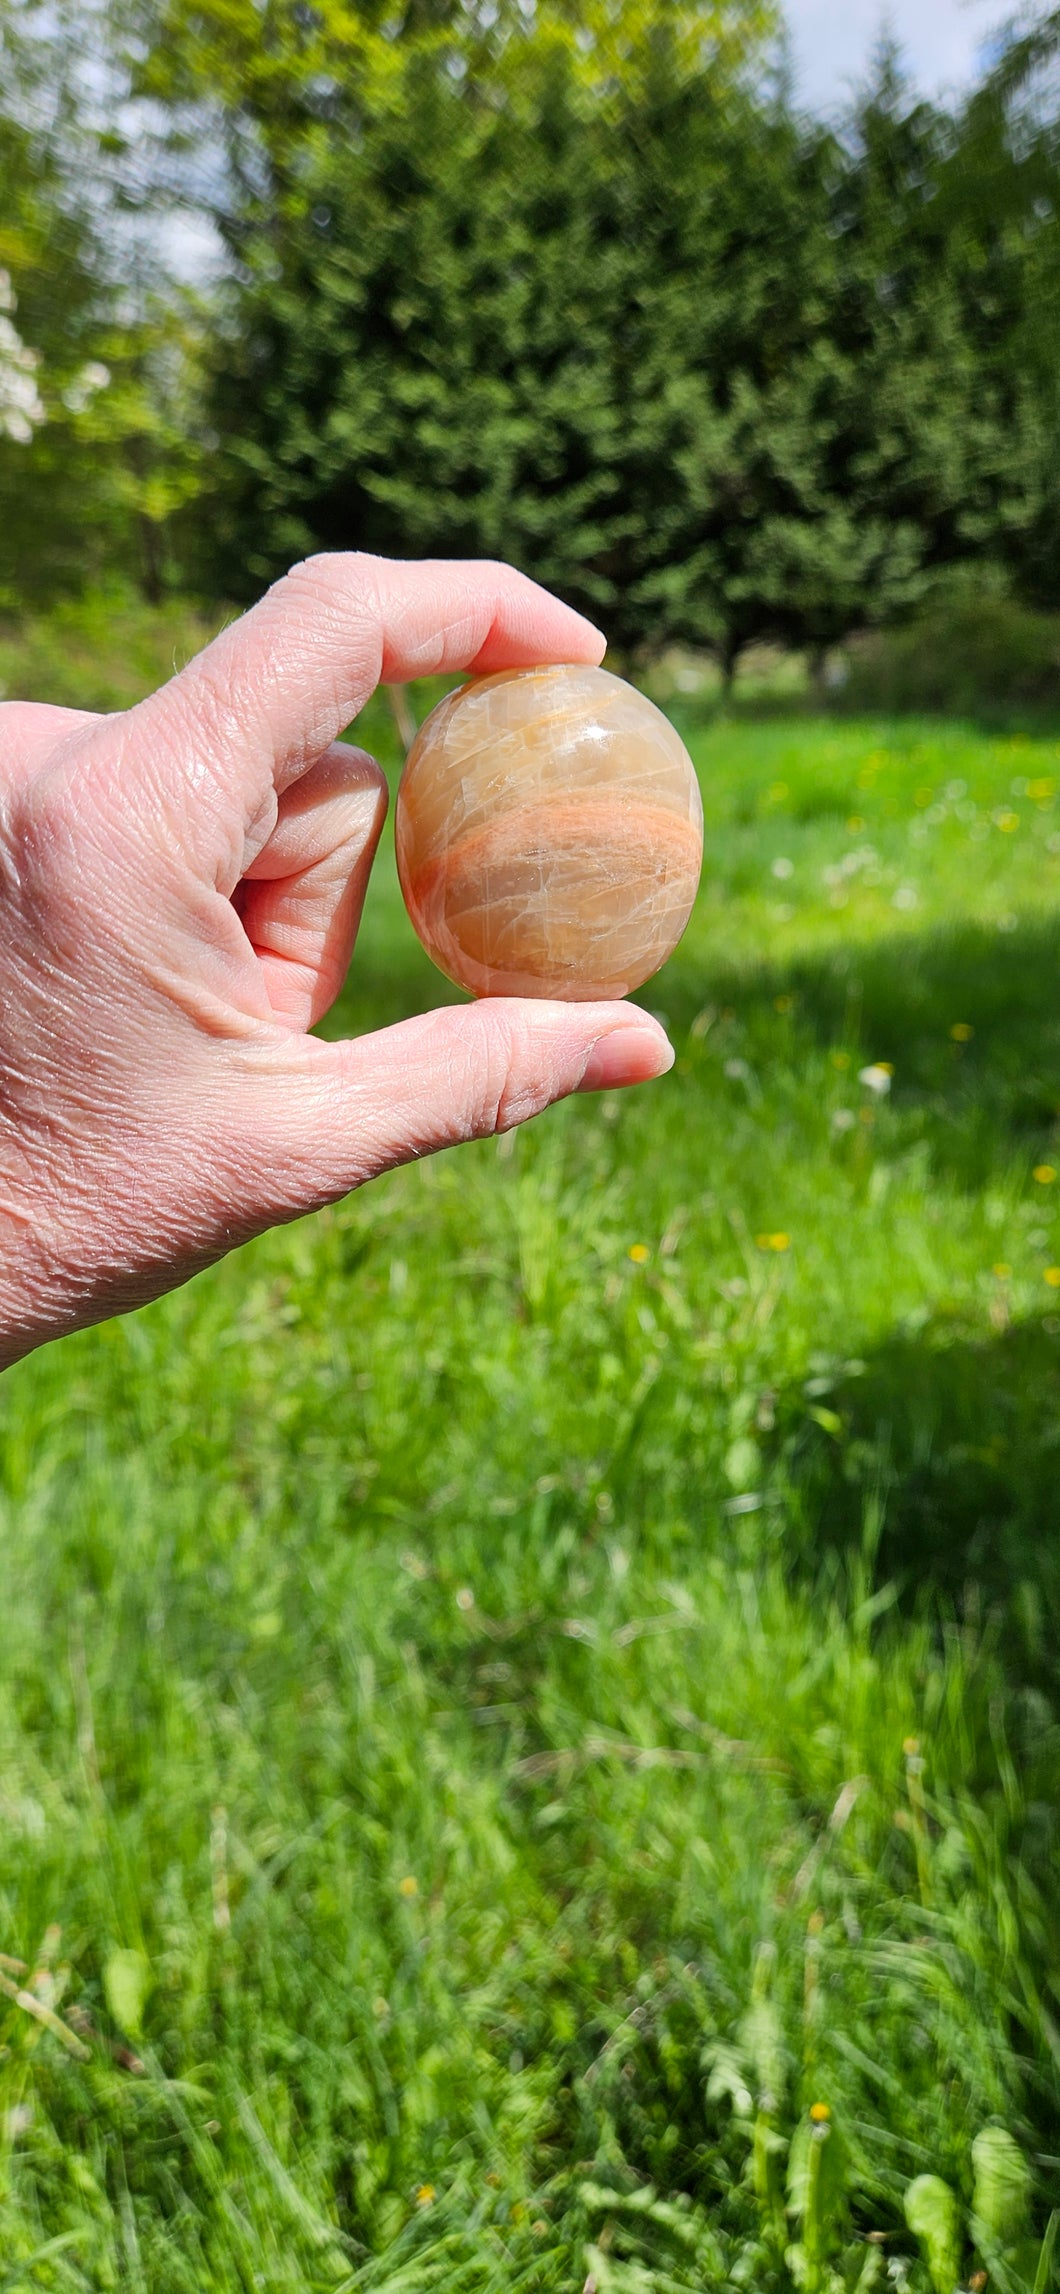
point(180, 889)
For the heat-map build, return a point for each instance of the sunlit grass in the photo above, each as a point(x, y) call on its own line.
point(531, 1697)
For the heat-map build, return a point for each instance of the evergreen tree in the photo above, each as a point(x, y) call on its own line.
point(714, 375)
point(527, 327)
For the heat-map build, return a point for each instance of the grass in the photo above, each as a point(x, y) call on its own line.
point(529, 1701)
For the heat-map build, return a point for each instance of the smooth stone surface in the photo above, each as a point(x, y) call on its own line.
point(549, 834)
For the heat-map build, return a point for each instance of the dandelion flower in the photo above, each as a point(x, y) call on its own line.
point(1007, 821)
point(1052, 1276)
point(639, 1253)
point(777, 1242)
point(409, 1886)
point(820, 2113)
point(1044, 1173)
point(961, 1032)
point(426, 2194)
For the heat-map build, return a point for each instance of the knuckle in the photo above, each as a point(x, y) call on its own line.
point(336, 579)
point(335, 598)
point(517, 1073)
point(39, 826)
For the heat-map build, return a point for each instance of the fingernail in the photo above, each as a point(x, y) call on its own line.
point(627, 1055)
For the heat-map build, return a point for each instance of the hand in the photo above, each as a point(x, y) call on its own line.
point(180, 889)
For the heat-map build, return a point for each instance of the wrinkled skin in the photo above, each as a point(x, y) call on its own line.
point(180, 889)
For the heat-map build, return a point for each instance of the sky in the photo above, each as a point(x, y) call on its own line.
point(941, 41)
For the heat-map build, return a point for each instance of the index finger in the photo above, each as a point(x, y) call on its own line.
point(277, 687)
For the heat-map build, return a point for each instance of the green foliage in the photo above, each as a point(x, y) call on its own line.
point(978, 655)
point(817, 2186)
point(522, 1827)
point(92, 484)
point(51, 309)
point(933, 2215)
point(126, 1985)
point(101, 650)
point(341, 65)
point(479, 330)
point(579, 291)
point(714, 375)
point(1001, 2197)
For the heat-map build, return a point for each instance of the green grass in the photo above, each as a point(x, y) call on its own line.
point(515, 1689)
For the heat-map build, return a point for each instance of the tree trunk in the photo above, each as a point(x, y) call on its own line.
point(152, 576)
point(728, 658)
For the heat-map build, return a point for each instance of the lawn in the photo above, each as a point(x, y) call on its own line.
point(530, 1701)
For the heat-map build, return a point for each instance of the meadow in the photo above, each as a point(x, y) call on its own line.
point(529, 1700)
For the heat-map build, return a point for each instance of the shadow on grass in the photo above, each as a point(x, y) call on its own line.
point(896, 999)
point(956, 1450)
point(969, 1095)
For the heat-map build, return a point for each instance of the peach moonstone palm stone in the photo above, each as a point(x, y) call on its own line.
point(549, 835)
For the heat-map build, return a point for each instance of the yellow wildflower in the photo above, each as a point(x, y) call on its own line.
point(639, 1253)
point(409, 1886)
point(1052, 1276)
point(426, 2194)
point(1044, 1173)
point(961, 1032)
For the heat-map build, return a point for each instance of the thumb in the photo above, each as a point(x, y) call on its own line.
point(322, 1118)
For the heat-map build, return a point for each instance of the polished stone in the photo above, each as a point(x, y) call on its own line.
point(549, 835)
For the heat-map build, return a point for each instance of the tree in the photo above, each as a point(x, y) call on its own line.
point(49, 362)
point(661, 350)
point(999, 202)
point(99, 444)
point(515, 324)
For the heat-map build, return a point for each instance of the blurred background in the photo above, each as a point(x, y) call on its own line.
point(530, 1701)
point(597, 289)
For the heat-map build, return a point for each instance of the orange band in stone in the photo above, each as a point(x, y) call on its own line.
point(549, 835)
